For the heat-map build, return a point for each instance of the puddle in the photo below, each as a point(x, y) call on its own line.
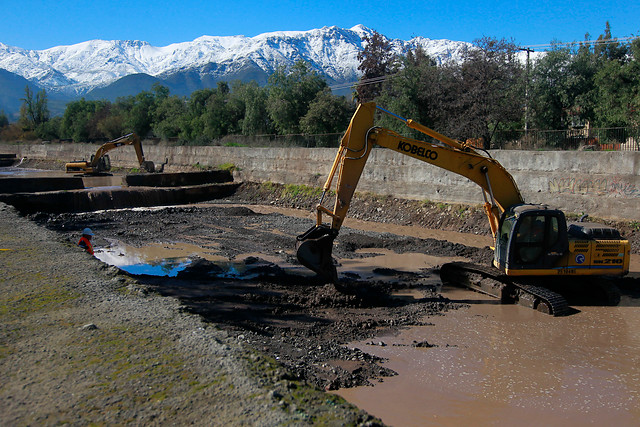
point(372, 267)
point(509, 365)
point(166, 267)
point(156, 259)
point(15, 171)
point(168, 259)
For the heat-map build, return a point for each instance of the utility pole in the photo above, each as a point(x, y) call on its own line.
point(526, 92)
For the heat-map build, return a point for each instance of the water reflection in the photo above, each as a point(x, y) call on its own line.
point(167, 267)
point(169, 259)
point(155, 259)
point(16, 171)
point(510, 365)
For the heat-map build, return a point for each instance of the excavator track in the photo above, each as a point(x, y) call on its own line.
point(490, 281)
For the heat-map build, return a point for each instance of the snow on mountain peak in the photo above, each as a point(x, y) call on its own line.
point(78, 68)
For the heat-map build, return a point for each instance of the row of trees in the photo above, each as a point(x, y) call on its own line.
point(492, 90)
point(295, 101)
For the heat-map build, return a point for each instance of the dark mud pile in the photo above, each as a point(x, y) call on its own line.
point(278, 307)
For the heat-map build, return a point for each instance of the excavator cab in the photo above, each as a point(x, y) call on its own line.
point(103, 165)
point(531, 237)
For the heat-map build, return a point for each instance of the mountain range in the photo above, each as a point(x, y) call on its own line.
point(107, 69)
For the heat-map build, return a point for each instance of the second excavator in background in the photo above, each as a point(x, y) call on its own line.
point(533, 244)
point(100, 162)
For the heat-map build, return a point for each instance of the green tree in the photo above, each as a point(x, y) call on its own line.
point(290, 93)
point(4, 121)
point(49, 129)
point(169, 117)
point(34, 110)
point(139, 117)
point(81, 118)
point(193, 127)
point(618, 90)
point(608, 48)
point(579, 86)
point(550, 94)
point(490, 95)
point(420, 90)
point(591, 84)
point(253, 100)
point(222, 113)
point(327, 114)
point(112, 125)
point(376, 62)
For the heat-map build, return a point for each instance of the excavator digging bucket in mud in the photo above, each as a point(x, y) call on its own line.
point(314, 251)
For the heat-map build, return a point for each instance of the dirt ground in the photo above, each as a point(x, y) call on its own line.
point(81, 343)
point(289, 328)
point(292, 316)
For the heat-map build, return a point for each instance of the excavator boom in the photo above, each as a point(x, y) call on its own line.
point(499, 188)
point(532, 242)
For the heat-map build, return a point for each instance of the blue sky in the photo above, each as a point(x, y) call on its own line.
point(34, 24)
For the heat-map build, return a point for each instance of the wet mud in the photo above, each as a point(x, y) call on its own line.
point(246, 279)
point(238, 270)
point(267, 299)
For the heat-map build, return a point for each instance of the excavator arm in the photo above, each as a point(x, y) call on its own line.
point(499, 188)
point(94, 166)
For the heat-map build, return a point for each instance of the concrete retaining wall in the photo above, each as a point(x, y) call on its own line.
point(604, 184)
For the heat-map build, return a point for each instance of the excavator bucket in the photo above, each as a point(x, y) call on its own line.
point(314, 251)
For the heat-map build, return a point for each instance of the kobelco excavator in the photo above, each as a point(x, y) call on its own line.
point(534, 244)
point(100, 162)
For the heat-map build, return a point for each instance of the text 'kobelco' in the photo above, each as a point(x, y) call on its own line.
point(417, 151)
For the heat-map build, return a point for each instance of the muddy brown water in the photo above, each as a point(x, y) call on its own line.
point(493, 364)
point(508, 365)
point(486, 363)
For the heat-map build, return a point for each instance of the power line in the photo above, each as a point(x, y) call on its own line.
point(528, 49)
point(587, 42)
point(365, 82)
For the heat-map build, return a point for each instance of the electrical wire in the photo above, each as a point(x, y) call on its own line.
point(381, 79)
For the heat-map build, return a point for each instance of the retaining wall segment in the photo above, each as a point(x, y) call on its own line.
point(97, 199)
point(11, 185)
point(603, 184)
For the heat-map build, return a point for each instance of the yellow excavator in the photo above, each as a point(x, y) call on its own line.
point(534, 245)
point(100, 162)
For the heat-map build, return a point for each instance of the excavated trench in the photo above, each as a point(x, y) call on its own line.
point(237, 268)
point(233, 262)
point(30, 194)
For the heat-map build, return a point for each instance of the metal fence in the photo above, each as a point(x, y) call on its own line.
point(298, 140)
point(596, 139)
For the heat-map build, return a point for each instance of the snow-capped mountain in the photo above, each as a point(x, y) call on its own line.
point(77, 69)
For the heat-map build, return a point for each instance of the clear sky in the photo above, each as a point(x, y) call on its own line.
point(41, 24)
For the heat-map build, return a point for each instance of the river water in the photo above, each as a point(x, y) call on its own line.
point(487, 363)
point(493, 364)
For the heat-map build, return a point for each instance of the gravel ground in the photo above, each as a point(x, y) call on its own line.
point(81, 343)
